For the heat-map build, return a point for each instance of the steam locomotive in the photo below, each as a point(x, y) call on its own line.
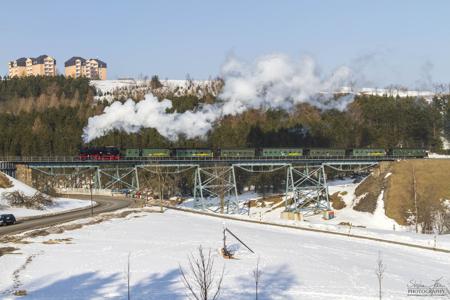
point(99, 153)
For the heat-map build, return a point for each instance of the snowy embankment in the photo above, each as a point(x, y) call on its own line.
point(347, 220)
point(59, 204)
point(110, 90)
point(295, 264)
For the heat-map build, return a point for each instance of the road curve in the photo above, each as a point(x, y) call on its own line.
point(105, 204)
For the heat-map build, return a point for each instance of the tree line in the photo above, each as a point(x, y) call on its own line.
point(46, 116)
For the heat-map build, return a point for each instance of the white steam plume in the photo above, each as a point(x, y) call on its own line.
point(276, 81)
point(273, 81)
point(150, 113)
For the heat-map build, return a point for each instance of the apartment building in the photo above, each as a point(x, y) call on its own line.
point(43, 65)
point(90, 68)
point(18, 67)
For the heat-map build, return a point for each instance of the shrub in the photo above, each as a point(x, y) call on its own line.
point(19, 199)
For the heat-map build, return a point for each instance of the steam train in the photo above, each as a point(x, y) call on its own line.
point(114, 153)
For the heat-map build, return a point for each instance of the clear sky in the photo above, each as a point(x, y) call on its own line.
point(403, 41)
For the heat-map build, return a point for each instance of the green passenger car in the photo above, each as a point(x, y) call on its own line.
point(237, 152)
point(282, 152)
point(365, 152)
point(155, 152)
point(402, 152)
point(194, 153)
point(327, 152)
point(132, 153)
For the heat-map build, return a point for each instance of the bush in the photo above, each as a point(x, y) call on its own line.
point(5, 182)
point(336, 201)
point(19, 199)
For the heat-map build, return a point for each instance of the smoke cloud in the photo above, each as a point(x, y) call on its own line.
point(273, 81)
point(150, 113)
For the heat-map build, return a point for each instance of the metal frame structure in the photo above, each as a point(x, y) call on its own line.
point(8, 168)
point(74, 173)
point(213, 184)
point(306, 183)
point(307, 188)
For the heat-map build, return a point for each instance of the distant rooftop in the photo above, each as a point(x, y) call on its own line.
point(72, 61)
point(101, 64)
point(21, 62)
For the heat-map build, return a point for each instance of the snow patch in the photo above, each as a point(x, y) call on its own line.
point(295, 264)
point(60, 204)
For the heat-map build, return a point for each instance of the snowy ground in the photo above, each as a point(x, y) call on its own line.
point(60, 204)
point(295, 264)
point(445, 143)
point(126, 87)
point(436, 155)
point(376, 225)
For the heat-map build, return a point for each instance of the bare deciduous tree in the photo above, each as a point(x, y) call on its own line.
point(415, 200)
point(200, 278)
point(128, 277)
point(379, 271)
point(257, 275)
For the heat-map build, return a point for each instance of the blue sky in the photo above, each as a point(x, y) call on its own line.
point(388, 42)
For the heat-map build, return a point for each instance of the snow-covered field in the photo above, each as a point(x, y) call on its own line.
point(295, 264)
point(60, 204)
point(376, 225)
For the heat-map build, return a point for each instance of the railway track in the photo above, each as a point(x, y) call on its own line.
point(228, 217)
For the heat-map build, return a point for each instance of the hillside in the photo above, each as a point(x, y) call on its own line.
point(111, 90)
point(46, 116)
point(432, 186)
point(9, 184)
point(394, 183)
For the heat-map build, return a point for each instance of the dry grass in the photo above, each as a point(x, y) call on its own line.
point(4, 181)
point(433, 184)
point(6, 250)
point(58, 241)
point(20, 293)
point(267, 201)
point(336, 201)
point(372, 187)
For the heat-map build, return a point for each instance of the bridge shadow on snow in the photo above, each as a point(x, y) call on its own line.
point(91, 285)
point(274, 283)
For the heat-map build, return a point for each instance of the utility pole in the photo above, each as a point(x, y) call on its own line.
point(90, 189)
point(160, 190)
point(415, 200)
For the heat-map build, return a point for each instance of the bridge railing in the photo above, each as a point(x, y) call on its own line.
point(77, 159)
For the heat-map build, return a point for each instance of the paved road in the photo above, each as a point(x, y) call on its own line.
point(105, 204)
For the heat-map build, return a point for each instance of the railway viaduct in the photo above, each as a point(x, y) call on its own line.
point(306, 178)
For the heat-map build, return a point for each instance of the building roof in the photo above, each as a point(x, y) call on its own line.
point(40, 59)
point(71, 61)
point(21, 62)
point(101, 64)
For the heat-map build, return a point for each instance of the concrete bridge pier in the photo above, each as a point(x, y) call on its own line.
point(24, 174)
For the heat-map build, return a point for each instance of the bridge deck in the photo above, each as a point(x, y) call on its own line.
point(70, 160)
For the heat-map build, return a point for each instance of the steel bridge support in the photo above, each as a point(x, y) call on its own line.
point(123, 177)
point(96, 175)
point(216, 186)
point(71, 176)
point(306, 188)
